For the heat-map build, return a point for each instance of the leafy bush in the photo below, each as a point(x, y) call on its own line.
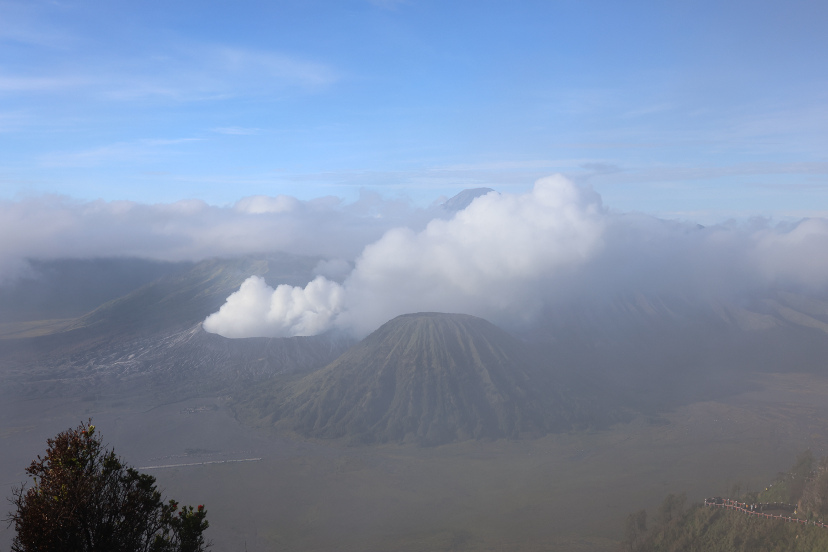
point(84, 498)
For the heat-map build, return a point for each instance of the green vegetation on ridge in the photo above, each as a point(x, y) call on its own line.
point(706, 529)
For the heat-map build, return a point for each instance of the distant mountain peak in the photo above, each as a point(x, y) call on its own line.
point(464, 199)
point(431, 378)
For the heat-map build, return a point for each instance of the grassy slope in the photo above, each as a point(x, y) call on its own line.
point(716, 530)
point(721, 530)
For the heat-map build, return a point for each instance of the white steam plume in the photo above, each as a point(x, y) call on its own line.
point(492, 259)
point(506, 256)
point(259, 310)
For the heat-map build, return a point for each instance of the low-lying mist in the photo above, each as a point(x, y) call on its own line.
point(58, 227)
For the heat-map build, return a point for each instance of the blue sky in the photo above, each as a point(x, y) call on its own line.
point(691, 110)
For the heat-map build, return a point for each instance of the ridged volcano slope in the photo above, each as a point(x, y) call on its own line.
point(432, 378)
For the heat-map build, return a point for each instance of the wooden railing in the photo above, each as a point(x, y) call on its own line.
point(757, 510)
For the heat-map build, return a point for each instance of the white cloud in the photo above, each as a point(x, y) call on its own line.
point(492, 259)
point(259, 310)
point(267, 204)
point(800, 254)
point(180, 73)
point(47, 227)
point(487, 260)
point(506, 256)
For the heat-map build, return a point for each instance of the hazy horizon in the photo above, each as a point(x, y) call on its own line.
point(210, 211)
point(337, 129)
point(704, 112)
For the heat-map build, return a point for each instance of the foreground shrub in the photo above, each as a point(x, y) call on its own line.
point(84, 498)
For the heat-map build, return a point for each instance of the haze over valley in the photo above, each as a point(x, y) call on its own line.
point(597, 376)
point(407, 275)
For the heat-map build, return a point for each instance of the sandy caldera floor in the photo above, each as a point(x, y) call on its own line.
point(561, 492)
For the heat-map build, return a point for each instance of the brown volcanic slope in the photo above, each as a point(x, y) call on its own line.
point(431, 378)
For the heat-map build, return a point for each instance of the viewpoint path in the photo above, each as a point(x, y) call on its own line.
point(756, 510)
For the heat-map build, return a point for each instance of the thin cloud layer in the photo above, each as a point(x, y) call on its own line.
point(179, 72)
point(49, 227)
point(506, 256)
